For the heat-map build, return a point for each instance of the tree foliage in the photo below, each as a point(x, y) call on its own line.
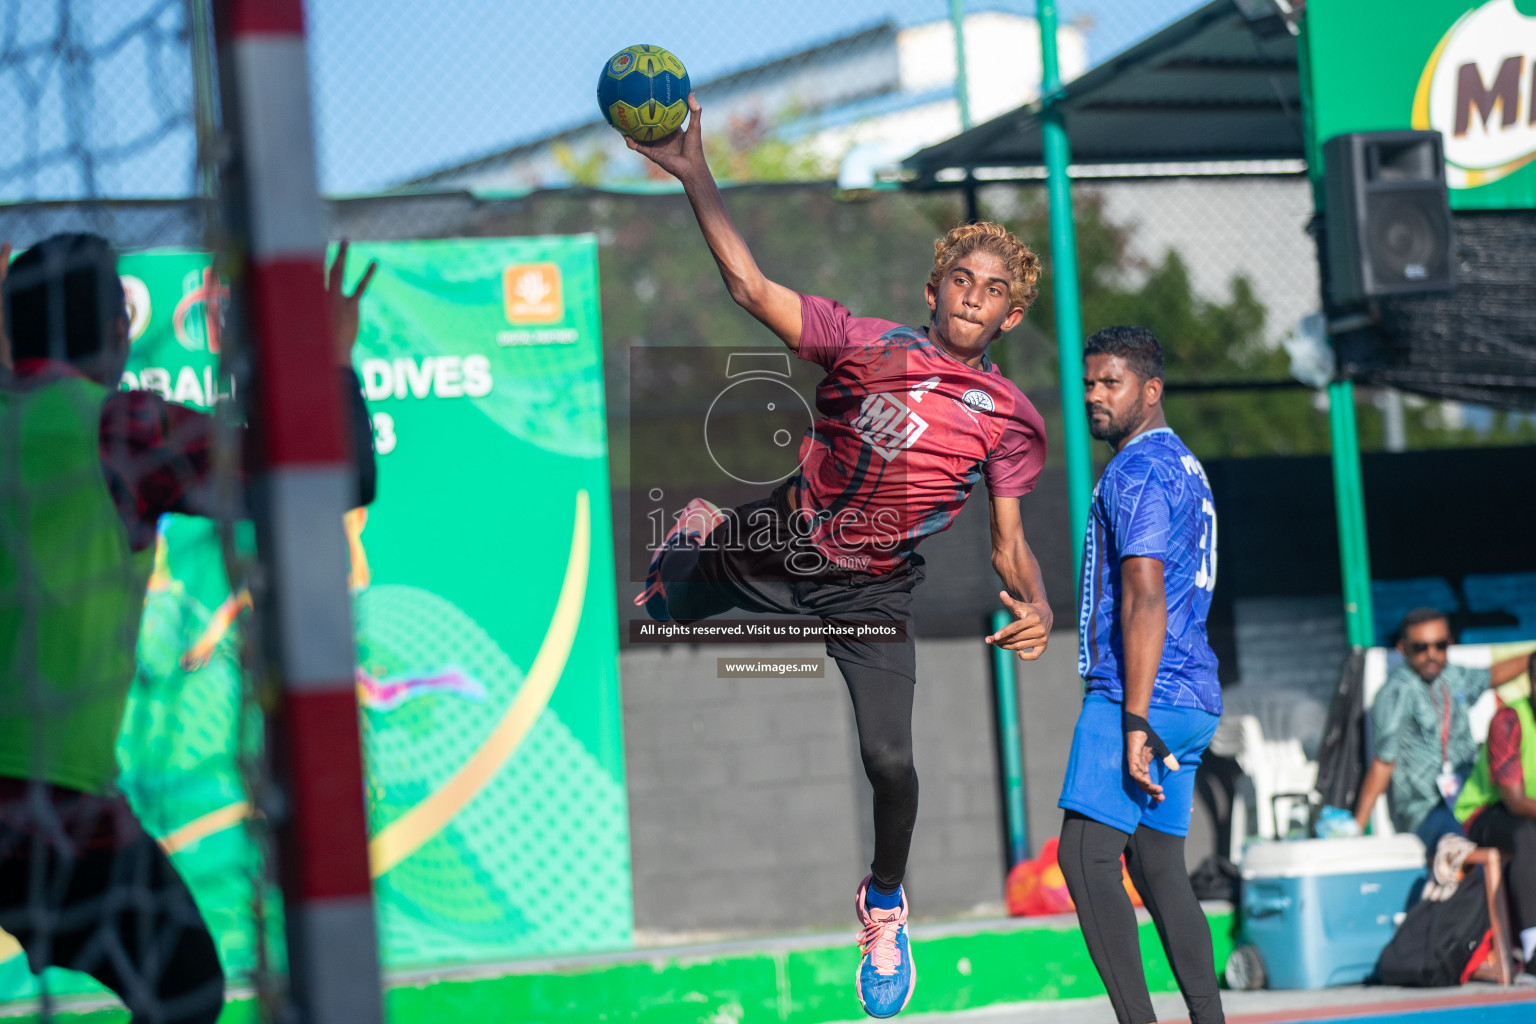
point(753, 148)
point(873, 253)
point(1207, 341)
point(1203, 340)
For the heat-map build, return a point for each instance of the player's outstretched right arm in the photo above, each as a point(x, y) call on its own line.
point(681, 155)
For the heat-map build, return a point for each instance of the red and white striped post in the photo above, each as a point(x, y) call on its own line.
point(300, 490)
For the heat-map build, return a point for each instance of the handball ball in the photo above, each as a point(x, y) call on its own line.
point(643, 92)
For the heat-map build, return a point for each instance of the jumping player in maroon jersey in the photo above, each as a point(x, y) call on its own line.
point(908, 420)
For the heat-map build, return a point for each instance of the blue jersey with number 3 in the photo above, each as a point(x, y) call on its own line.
point(1153, 501)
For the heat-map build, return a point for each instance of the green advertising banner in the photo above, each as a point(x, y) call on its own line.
point(1462, 68)
point(483, 582)
point(487, 632)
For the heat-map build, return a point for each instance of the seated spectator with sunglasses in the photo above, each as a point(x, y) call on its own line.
point(1423, 742)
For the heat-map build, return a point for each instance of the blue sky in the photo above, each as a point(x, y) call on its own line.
point(402, 86)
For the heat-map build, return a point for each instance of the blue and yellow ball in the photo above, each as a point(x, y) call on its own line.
point(643, 92)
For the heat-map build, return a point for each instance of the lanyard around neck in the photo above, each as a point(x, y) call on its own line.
point(1445, 729)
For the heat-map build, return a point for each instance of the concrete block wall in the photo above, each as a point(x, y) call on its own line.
point(742, 795)
point(749, 810)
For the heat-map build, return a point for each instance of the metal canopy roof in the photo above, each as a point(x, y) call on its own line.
point(1209, 87)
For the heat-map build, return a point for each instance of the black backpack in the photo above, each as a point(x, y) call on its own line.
point(1341, 756)
point(1436, 941)
point(1216, 879)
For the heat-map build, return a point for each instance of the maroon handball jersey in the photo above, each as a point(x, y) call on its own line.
point(903, 431)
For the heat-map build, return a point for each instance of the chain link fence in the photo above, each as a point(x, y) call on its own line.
point(475, 99)
point(480, 96)
point(461, 101)
point(480, 119)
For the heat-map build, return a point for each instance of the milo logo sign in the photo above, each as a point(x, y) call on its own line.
point(1478, 90)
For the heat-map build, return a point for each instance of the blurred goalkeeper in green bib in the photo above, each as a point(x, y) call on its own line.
point(86, 471)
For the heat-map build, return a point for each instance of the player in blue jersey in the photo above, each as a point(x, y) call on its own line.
point(1153, 700)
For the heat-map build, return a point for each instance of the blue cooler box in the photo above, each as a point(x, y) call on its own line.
point(1319, 911)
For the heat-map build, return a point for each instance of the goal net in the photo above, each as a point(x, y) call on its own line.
point(140, 804)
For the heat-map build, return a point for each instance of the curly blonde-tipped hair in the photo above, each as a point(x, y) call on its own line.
point(1023, 265)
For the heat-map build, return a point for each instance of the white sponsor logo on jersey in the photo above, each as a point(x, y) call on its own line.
point(887, 426)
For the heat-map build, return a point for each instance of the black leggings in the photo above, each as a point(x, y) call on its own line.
point(701, 582)
point(882, 711)
point(1089, 855)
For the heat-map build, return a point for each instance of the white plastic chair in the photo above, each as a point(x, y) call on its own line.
point(1280, 774)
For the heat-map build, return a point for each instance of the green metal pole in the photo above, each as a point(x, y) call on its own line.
point(1337, 392)
point(1069, 310)
point(1349, 506)
point(1011, 746)
point(1360, 545)
point(962, 83)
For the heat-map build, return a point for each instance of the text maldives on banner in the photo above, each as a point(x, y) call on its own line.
point(484, 582)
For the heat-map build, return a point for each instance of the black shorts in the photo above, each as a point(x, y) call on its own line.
point(757, 562)
point(83, 886)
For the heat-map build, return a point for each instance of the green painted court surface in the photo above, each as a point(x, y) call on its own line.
point(1019, 971)
point(799, 980)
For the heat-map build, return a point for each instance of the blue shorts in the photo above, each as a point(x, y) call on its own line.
point(1098, 785)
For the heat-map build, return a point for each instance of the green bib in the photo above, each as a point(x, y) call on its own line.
point(1480, 791)
point(71, 591)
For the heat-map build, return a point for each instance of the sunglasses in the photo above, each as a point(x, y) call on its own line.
point(1420, 648)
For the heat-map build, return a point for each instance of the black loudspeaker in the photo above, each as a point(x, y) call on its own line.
point(1388, 218)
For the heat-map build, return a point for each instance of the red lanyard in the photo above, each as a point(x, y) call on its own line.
point(1445, 730)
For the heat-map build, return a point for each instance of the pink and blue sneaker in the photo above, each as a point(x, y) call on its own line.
point(886, 975)
point(694, 523)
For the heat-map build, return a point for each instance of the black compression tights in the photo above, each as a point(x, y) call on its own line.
point(1089, 855)
point(882, 710)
